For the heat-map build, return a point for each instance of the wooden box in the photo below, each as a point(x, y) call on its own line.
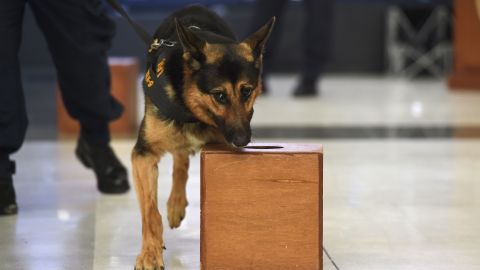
point(124, 73)
point(261, 207)
point(466, 44)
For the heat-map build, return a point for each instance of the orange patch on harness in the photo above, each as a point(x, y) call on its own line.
point(160, 67)
point(148, 79)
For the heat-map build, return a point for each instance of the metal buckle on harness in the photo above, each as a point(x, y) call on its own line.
point(159, 43)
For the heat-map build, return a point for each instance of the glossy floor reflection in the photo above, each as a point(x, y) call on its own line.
point(389, 204)
point(368, 101)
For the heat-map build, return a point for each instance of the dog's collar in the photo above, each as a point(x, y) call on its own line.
point(158, 43)
point(155, 84)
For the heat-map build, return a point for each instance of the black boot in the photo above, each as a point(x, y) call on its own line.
point(111, 174)
point(306, 88)
point(8, 203)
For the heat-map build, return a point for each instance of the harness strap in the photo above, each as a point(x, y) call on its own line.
point(154, 86)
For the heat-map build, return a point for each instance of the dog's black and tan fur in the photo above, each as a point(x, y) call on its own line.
point(215, 79)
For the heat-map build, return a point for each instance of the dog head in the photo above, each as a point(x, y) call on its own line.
point(222, 80)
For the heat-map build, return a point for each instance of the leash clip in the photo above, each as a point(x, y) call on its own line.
point(167, 43)
point(159, 43)
point(194, 27)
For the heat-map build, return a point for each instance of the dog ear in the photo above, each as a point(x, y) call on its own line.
point(190, 42)
point(257, 40)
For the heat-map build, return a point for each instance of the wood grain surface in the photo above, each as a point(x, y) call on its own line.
point(466, 44)
point(261, 208)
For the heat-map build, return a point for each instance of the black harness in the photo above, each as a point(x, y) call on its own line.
point(155, 81)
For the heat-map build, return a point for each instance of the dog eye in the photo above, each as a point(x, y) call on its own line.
point(220, 97)
point(246, 92)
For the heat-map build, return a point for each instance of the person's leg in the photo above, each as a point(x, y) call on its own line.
point(13, 117)
point(317, 41)
point(78, 34)
point(264, 10)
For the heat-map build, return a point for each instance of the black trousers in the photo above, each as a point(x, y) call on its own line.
point(317, 29)
point(78, 34)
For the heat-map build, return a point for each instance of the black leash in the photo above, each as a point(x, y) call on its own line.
point(146, 37)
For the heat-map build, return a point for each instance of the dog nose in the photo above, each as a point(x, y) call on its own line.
point(241, 140)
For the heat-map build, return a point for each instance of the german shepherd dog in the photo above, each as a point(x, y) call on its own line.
point(200, 86)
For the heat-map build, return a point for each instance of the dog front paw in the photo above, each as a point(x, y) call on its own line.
point(151, 258)
point(176, 209)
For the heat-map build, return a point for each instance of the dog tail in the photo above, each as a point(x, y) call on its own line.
point(146, 37)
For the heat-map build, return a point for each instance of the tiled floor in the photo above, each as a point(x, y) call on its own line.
point(388, 203)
